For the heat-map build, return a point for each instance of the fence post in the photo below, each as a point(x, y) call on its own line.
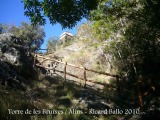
point(65, 65)
point(84, 74)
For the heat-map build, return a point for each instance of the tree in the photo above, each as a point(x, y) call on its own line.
point(33, 36)
point(65, 12)
point(132, 31)
point(3, 28)
point(52, 43)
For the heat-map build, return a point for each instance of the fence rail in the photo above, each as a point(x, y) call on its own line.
point(84, 78)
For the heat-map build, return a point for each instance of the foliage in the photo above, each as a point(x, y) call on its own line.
point(131, 30)
point(52, 43)
point(84, 30)
point(65, 12)
point(85, 35)
point(33, 36)
point(68, 42)
point(0, 28)
point(3, 28)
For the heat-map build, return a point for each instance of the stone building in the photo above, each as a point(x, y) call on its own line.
point(65, 36)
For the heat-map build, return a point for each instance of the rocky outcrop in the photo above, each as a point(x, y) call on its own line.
point(16, 63)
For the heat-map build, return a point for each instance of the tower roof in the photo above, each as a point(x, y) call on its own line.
point(66, 33)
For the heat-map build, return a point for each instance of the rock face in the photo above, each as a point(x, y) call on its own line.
point(84, 54)
point(16, 64)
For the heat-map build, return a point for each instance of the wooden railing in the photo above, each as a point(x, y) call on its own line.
point(140, 96)
point(64, 71)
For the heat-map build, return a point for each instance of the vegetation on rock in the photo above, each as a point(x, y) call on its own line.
point(52, 43)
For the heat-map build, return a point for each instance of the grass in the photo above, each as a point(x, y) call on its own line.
point(13, 99)
point(47, 93)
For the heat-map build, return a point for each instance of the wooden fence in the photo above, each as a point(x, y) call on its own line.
point(84, 78)
point(64, 71)
point(140, 96)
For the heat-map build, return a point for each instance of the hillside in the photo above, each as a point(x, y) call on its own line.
point(51, 97)
point(106, 87)
point(108, 70)
point(39, 96)
point(85, 52)
point(43, 96)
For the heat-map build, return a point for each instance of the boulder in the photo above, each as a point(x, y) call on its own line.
point(16, 63)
